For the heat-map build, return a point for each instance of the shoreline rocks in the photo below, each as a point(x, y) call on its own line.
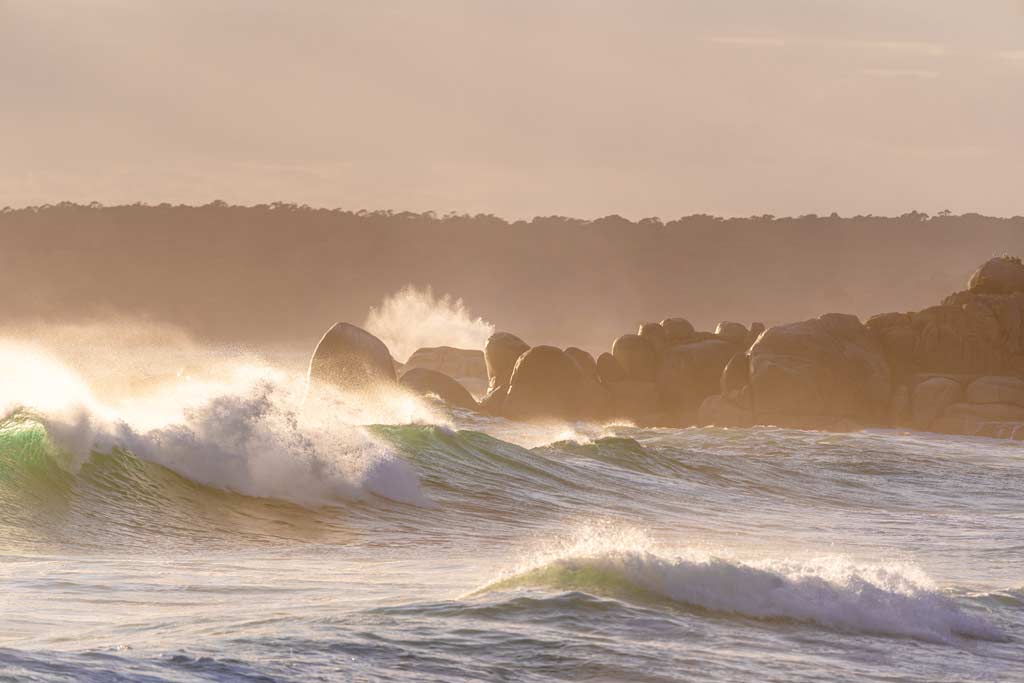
point(955, 368)
point(349, 358)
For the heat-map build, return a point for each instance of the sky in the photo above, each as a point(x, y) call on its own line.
point(518, 108)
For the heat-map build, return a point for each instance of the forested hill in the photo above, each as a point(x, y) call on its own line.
point(282, 273)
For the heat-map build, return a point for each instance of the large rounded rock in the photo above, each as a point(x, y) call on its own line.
point(895, 332)
point(1007, 390)
point(961, 336)
point(988, 419)
point(1000, 275)
point(654, 333)
point(545, 383)
point(460, 363)
point(583, 359)
point(717, 411)
point(689, 373)
point(810, 372)
point(677, 330)
point(425, 382)
point(609, 370)
point(500, 355)
point(637, 356)
point(736, 374)
point(494, 400)
point(899, 406)
point(930, 398)
point(755, 331)
point(635, 401)
point(348, 358)
point(731, 332)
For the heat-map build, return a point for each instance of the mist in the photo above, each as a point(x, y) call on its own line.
point(414, 318)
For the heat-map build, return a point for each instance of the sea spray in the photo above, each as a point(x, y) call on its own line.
point(244, 434)
point(414, 318)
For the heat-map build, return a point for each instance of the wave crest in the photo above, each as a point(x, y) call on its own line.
point(833, 592)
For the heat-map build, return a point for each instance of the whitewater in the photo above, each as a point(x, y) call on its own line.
point(212, 526)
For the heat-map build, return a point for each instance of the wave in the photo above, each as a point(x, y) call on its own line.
point(832, 592)
point(246, 436)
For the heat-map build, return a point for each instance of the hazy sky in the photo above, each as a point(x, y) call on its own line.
point(518, 107)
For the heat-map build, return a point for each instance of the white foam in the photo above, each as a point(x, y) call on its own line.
point(243, 434)
point(894, 599)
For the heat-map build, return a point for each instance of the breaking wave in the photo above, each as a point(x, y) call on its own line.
point(245, 436)
point(832, 592)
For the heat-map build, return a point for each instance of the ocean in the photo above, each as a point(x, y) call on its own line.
point(220, 530)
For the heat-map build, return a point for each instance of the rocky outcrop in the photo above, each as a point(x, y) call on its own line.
point(691, 372)
point(957, 367)
point(930, 398)
point(720, 412)
point(546, 383)
point(1007, 390)
point(637, 356)
point(988, 419)
point(348, 358)
point(655, 334)
point(1000, 275)
point(609, 370)
point(425, 382)
point(815, 371)
point(638, 402)
point(735, 333)
point(501, 352)
point(677, 330)
point(584, 360)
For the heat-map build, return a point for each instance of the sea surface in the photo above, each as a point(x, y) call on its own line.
point(225, 531)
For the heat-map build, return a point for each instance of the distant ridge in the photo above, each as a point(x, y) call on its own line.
point(277, 273)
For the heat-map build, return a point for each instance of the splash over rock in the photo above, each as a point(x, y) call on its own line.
point(348, 358)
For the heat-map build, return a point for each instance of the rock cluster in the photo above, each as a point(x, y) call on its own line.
point(956, 368)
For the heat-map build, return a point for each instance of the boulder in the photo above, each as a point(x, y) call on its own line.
point(583, 359)
point(689, 373)
point(990, 389)
point(349, 358)
point(636, 401)
point(494, 400)
point(736, 375)
point(425, 382)
point(1000, 275)
point(810, 373)
point(677, 330)
point(895, 332)
point(899, 406)
point(546, 384)
point(986, 412)
point(637, 356)
point(458, 363)
point(501, 352)
point(930, 398)
point(732, 332)
point(654, 333)
point(969, 334)
point(594, 400)
point(987, 419)
point(755, 331)
point(609, 370)
point(718, 411)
